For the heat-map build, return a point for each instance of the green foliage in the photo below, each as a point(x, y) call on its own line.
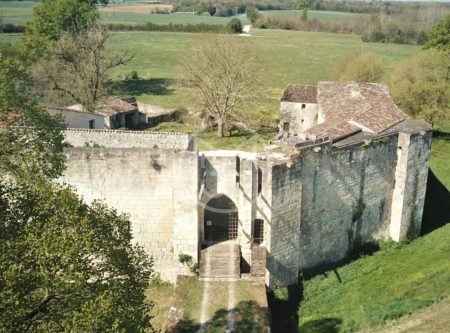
point(200, 8)
point(185, 259)
point(211, 10)
point(235, 25)
point(421, 86)
point(360, 67)
point(252, 13)
point(67, 266)
point(31, 142)
point(53, 17)
point(199, 27)
point(370, 291)
point(439, 36)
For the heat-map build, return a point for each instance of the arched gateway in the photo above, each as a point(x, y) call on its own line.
point(221, 219)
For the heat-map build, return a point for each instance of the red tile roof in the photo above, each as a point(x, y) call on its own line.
point(300, 94)
point(351, 107)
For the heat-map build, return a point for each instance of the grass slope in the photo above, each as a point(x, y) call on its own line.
point(391, 283)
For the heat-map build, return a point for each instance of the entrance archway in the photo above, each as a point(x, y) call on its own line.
point(221, 219)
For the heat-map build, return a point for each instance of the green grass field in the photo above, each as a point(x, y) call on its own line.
point(19, 13)
point(285, 57)
point(312, 14)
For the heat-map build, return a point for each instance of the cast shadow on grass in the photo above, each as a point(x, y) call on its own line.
point(154, 86)
point(436, 211)
point(324, 325)
point(285, 311)
point(248, 316)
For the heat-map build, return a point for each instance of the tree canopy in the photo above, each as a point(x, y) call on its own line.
point(223, 75)
point(53, 17)
point(360, 67)
point(421, 87)
point(439, 36)
point(30, 140)
point(66, 266)
point(78, 66)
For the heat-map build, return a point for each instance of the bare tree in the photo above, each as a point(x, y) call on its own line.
point(79, 66)
point(223, 73)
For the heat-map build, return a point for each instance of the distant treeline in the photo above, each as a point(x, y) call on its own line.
point(11, 28)
point(171, 27)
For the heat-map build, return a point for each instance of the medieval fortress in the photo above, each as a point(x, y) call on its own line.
point(347, 168)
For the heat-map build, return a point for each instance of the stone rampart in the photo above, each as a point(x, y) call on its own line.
point(128, 139)
point(155, 187)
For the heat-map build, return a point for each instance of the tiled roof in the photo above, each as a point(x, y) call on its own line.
point(351, 107)
point(113, 105)
point(300, 94)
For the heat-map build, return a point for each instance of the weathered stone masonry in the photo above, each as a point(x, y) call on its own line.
point(317, 199)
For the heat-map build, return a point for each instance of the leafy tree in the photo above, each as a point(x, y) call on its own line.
point(304, 5)
point(439, 36)
point(30, 140)
point(200, 8)
point(79, 65)
point(360, 67)
point(421, 87)
point(235, 25)
point(252, 13)
point(66, 266)
point(211, 10)
point(223, 75)
point(51, 18)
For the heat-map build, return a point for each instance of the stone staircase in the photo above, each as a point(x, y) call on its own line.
point(220, 261)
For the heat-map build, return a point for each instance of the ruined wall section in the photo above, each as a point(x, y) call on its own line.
point(410, 185)
point(128, 139)
point(283, 252)
point(156, 187)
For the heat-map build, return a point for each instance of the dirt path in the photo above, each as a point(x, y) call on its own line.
point(435, 319)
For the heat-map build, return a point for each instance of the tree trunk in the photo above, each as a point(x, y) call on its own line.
point(220, 124)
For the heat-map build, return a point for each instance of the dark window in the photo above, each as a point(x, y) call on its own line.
point(92, 123)
point(303, 106)
point(258, 231)
point(259, 181)
point(286, 127)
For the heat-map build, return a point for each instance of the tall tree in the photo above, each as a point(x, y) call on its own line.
point(223, 73)
point(30, 140)
point(304, 7)
point(439, 36)
point(420, 86)
point(79, 66)
point(360, 67)
point(66, 266)
point(51, 18)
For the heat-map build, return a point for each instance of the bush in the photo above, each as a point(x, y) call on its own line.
point(235, 26)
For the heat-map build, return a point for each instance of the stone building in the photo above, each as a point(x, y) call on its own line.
point(350, 168)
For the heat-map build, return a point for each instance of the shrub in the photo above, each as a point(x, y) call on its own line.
point(235, 26)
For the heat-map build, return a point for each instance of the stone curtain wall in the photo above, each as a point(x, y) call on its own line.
point(330, 202)
point(282, 263)
point(156, 187)
point(346, 199)
point(128, 139)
